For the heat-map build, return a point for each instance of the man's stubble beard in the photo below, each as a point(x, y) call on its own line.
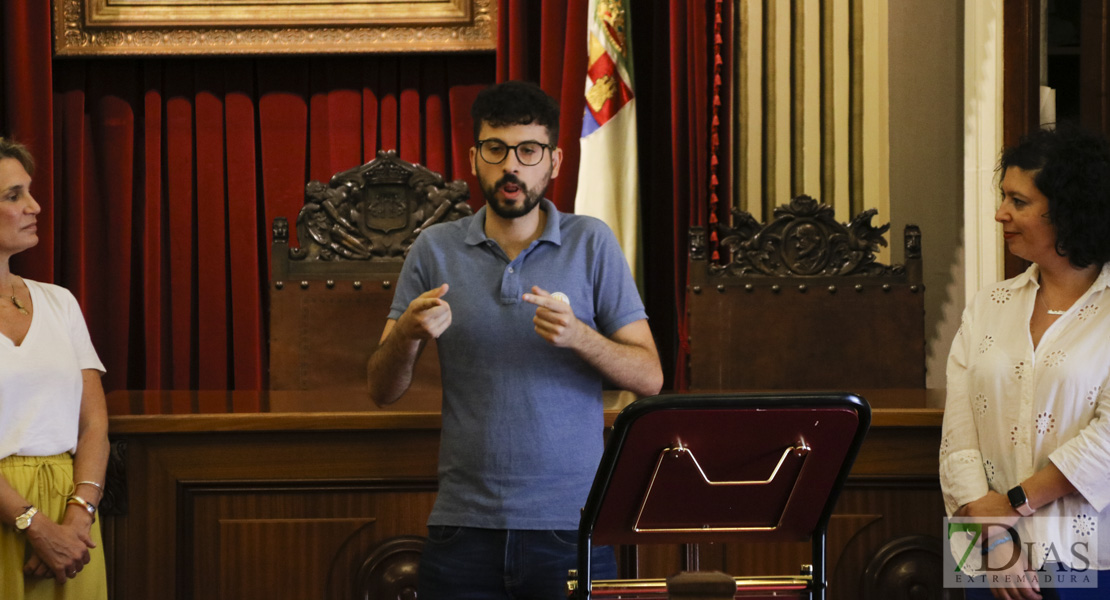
point(531, 199)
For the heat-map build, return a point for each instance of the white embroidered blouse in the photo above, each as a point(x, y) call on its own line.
point(1012, 408)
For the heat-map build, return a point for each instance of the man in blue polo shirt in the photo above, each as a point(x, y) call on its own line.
point(532, 310)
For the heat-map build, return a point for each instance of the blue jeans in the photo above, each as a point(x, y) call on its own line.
point(1057, 591)
point(464, 562)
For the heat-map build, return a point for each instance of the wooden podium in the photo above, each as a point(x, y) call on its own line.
point(763, 468)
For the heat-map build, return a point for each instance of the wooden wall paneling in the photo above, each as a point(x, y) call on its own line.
point(901, 443)
point(318, 532)
point(297, 506)
point(146, 541)
point(206, 509)
point(655, 561)
point(821, 335)
point(874, 514)
point(802, 303)
point(323, 332)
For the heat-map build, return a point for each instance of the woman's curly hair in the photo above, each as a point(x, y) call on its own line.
point(1071, 167)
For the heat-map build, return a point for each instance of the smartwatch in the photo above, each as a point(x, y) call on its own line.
point(1019, 502)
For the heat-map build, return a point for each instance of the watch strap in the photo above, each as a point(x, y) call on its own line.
point(23, 521)
point(1019, 501)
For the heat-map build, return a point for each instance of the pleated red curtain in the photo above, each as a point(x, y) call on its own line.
point(172, 172)
point(674, 68)
point(166, 174)
point(545, 41)
point(27, 114)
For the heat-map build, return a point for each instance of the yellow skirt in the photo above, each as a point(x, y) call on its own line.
point(46, 482)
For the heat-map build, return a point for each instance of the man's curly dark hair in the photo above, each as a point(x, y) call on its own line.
point(1071, 167)
point(515, 103)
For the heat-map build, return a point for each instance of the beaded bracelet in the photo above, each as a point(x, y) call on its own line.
point(997, 543)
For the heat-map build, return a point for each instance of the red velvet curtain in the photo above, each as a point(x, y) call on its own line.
point(172, 172)
point(26, 110)
point(167, 173)
point(545, 41)
point(674, 68)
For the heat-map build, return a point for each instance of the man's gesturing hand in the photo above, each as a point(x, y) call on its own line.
point(554, 320)
point(427, 316)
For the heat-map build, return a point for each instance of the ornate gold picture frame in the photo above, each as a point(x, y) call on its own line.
point(215, 27)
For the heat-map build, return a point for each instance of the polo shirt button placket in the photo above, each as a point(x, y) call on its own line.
point(510, 286)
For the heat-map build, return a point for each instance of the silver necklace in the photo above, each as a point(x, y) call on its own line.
point(1050, 311)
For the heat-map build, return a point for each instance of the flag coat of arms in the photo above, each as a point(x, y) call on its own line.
point(608, 184)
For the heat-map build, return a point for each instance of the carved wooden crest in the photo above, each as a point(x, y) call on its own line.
point(373, 212)
point(803, 240)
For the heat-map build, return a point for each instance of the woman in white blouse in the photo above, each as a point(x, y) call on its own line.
point(1027, 421)
point(53, 419)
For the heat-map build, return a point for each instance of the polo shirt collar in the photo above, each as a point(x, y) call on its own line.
point(552, 232)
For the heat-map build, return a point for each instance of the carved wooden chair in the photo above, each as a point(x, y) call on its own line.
point(330, 296)
point(801, 303)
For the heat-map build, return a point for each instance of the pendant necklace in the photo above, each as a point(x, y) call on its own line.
point(1040, 296)
point(18, 305)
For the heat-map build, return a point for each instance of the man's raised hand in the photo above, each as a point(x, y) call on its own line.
point(427, 316)
point(554, 320)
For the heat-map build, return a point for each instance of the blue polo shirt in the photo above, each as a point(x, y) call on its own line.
point(522, 419)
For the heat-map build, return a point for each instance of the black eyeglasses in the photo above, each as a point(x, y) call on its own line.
point(529, 154)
